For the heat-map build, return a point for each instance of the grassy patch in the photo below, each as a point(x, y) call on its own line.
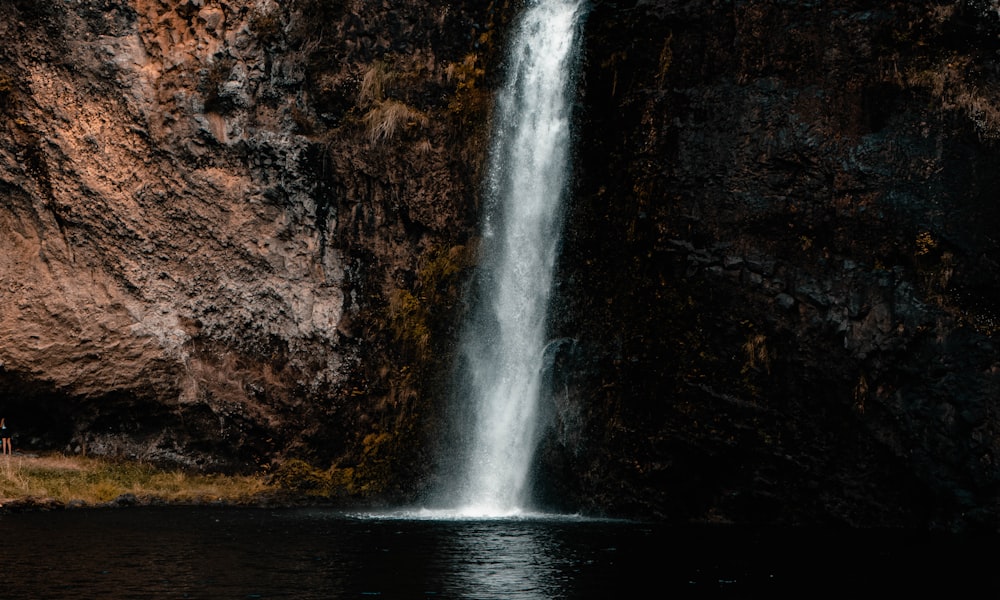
point(87, 480)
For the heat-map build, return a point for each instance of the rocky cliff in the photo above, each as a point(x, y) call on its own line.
point(213, 212)
point(781, 269)
point(238, 231)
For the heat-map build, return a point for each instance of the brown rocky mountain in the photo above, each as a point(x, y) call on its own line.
point(238, 231)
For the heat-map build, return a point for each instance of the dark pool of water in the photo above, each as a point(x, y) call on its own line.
point(310, 554)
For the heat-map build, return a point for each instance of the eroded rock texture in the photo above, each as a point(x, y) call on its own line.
point(207, 210)
point(781, 269)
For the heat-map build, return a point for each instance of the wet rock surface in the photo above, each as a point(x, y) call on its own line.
point(780, 269)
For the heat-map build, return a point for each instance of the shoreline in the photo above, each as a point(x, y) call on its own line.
point(130, 500)
point(55, 481)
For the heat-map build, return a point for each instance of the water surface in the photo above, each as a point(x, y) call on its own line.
point(312, 553)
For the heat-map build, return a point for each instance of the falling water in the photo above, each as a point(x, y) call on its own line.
point(505, 338)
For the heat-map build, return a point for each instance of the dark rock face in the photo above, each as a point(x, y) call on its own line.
point(781, 265)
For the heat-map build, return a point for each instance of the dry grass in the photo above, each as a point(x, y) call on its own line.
point(947, 81)
point(374, 82)
point(758, 357)
point(388, 117)
point(93, 481)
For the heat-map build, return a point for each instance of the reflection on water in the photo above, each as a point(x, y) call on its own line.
point(305, 554)
point(496, 563)
point(318, 554)
point(528, 556)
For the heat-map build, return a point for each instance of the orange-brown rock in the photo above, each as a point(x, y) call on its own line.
point(199, 214)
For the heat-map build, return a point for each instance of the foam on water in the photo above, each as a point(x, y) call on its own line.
point(472, 514)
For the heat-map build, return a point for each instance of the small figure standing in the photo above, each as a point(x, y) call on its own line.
point(5, 435)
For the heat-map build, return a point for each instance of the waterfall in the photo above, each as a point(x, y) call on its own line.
point(505, 337)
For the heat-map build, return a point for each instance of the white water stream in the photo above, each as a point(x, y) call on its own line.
point(506, 335)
